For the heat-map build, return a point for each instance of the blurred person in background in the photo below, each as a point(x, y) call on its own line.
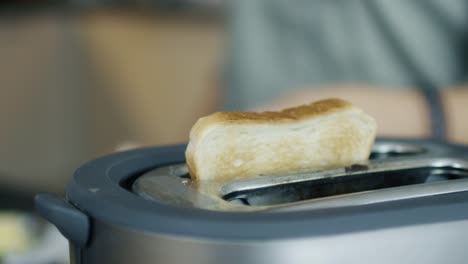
point(404, 62)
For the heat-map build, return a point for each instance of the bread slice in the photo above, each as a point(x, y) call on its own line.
point(237, 145)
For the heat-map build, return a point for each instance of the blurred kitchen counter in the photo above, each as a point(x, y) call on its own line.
point(161, 70)
point(75, 86)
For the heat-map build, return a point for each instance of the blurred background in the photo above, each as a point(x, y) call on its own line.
point(79, 80)
point(82, 78)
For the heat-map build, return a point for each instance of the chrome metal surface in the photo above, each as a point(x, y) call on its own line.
point(360, 214)
point(426, 243)
point(396, 171)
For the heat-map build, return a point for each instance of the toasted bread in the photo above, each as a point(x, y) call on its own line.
point(236, 145)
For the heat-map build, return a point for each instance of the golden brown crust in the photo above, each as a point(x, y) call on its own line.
point(289, 114)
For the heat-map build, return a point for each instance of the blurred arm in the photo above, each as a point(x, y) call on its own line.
point(399, 112)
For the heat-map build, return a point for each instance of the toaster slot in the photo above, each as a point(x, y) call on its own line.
point(397, 170)
point(418, 180)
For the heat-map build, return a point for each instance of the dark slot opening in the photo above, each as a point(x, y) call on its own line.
point(331, 186)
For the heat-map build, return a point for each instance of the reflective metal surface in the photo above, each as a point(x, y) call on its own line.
point(359, 214)
point(396, 171)
point(429, 244)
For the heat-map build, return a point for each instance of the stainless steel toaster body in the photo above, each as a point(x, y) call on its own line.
point(408, 204)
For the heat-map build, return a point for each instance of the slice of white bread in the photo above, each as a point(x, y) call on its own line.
point(237, 145)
